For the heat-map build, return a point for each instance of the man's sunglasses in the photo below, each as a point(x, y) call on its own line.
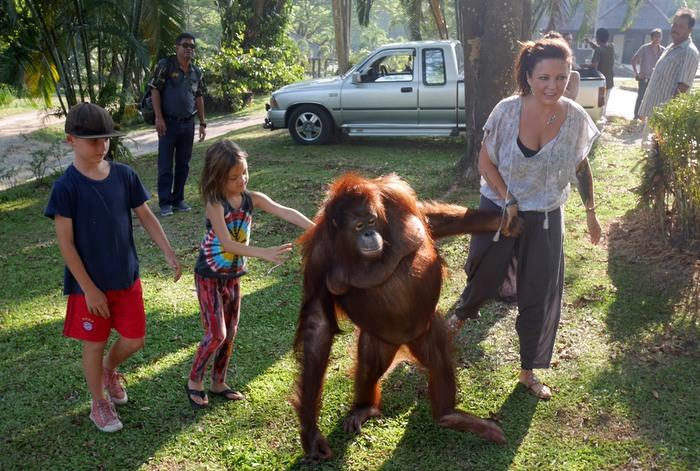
point(188, 45)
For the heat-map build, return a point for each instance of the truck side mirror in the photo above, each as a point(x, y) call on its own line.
point(356, 77)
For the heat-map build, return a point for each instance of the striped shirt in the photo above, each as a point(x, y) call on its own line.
point(678, 64)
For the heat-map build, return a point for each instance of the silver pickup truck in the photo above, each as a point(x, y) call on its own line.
point(407, 89)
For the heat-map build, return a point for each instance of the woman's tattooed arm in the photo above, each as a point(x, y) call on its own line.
point(585, 184)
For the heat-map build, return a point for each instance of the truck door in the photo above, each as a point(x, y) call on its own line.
point(437, 99)
point(386, 91)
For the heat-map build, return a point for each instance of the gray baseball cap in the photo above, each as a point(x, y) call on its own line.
point(90, 121)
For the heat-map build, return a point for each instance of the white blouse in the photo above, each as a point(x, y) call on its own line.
point(541, 182)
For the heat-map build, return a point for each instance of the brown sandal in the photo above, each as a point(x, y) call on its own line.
point(535, 386)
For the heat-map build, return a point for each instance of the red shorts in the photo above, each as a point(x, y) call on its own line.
point(126, 315)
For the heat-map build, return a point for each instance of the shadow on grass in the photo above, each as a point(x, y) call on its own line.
point(44, 400)
point(423, 443)
point(420, 448)
point(654, 327)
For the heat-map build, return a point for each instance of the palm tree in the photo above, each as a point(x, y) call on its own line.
point(560, 11)
point(414, 13)
point(253, 23)
point(79, 48)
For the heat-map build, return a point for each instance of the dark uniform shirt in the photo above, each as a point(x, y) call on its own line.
point(604, 55)
point(178, 88)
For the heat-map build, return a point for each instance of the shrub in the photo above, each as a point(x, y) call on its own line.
point(672, 172)
point(47, 160)
point(8, 172)
point(6, 94)
point(233, 74)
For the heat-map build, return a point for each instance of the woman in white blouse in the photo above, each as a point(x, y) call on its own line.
point(535, 143)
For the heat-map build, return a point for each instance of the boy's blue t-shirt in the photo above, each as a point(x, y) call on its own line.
point(102, 229)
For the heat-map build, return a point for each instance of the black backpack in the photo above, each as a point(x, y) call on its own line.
point(146, 103)
point(146, 107)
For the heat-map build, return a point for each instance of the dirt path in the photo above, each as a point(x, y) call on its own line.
point(17, 147)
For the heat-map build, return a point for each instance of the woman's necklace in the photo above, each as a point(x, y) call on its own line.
point(551, 119)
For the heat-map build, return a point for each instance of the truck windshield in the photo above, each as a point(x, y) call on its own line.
point(354, 66)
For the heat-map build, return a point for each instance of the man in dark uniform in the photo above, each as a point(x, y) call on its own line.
point(177, 89)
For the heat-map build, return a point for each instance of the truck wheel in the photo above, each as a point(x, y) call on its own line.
point(310, 124)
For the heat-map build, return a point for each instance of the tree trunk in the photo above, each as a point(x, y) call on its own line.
point(229, 12)
point(74, 53)
point(127, 70)
point(439, 18)
point(342, 17)
point(253, 23)
point(470, 12)
point(85, 49)
point(459, 21)
point(267, 21)
point(491, 30)
point(414, 11)
point(55, 57)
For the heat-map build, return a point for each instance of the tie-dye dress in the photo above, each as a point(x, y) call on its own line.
point(217, 279)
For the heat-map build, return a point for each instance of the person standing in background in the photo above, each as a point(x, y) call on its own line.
point(177, 90)
point(676, 68)
point(603, 60)
point(569, 38)
point(646, 58)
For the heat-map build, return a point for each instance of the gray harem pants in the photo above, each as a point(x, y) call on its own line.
point(537, 258)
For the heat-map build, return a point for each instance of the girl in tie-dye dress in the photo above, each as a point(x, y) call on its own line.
point(222, 262)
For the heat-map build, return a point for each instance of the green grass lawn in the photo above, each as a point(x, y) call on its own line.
point(625, 370)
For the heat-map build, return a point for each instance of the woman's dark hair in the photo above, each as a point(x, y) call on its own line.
point(531, 53)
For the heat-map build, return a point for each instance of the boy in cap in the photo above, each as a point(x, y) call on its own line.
point(91, 205)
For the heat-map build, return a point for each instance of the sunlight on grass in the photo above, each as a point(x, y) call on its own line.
point(38, 309)
point(624, 371)
point(165, 362)
point(17, 204)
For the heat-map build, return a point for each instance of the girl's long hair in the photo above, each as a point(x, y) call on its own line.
point(219, 159)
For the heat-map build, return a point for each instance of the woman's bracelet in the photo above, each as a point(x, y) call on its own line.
point(591, 209)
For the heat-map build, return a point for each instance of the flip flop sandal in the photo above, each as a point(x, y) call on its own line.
point(195, 392)
point(228, 394)
point(537, 388)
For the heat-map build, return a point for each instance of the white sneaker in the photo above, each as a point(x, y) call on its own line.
point(105, 416)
